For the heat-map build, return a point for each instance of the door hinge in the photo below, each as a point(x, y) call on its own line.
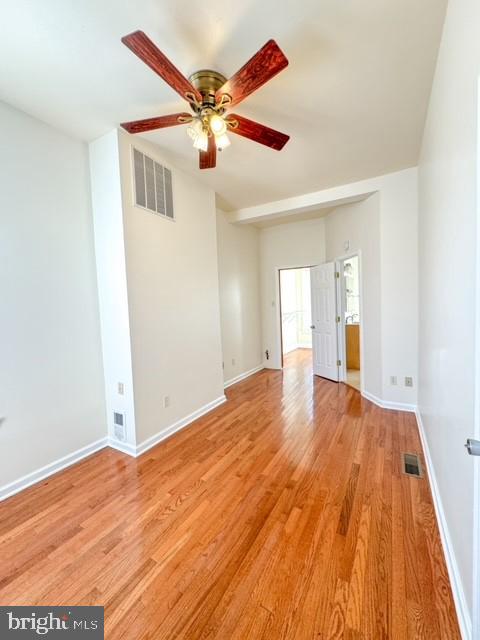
point(339, 363)
point(337, 274)
point(473, 447)
point(338, 318)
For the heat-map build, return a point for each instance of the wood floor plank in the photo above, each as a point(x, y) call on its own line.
point(282, 514)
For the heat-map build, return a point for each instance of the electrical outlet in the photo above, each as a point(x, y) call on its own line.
point(166, 401)
point(393, 380)
point(121, 388)
point(408, 381)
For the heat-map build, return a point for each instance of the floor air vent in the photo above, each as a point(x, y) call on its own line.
point(411, 465)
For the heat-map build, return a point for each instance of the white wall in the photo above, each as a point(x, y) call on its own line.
point(296, 244)
point(173, 297)
point(112, 281)
point(51, 378)
point(399, 284)
point(384, 227)
point(447, 236)
point(239, 287)
point(398, 205)
point(359, 224)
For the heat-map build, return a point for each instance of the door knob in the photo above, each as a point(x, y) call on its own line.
point(473, 447)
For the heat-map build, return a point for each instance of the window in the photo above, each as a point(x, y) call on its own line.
point(352, 290)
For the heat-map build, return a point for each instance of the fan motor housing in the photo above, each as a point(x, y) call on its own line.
point(207, 82)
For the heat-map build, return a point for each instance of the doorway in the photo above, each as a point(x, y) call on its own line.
point(351, 320)
point(295, 314)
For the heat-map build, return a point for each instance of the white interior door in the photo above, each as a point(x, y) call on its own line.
point(324, 325)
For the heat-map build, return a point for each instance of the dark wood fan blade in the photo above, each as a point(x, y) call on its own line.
point(257, 132)
point(208, 159)
point(160, 122)
point(265, 64)
point(146, 50)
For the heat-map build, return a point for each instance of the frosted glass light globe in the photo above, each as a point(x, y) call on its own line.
point(218, 125)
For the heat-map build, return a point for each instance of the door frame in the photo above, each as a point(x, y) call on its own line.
point(476, 435)
point(278, 308)
point(341, 300)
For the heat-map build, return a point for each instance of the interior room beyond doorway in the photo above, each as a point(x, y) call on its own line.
point(352, 320)
point(295, 310)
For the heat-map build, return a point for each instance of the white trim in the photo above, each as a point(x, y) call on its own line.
point(476, 547)
point(461, 606)
point(242, 376)
point(123, 447)
point(176, 426)
point(48, 470)
point(387, 404)
point(67, 461)
point(476, 433)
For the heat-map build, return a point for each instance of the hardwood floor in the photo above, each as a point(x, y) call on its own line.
point(282, 514)
point(353, 378)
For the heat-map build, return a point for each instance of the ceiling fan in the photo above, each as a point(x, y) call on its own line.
point(210, 96)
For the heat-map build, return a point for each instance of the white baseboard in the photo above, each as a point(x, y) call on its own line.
point(48, 470)
point(386, 404)
point(464, 618)
point(62, 463)
point(176, 426)
point(123, 447)
point(242, 376)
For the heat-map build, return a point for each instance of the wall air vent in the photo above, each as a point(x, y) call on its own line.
point(119, 425)
point(153, 185)
point(411, 465)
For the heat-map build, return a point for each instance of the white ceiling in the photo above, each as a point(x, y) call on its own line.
point(353, 99)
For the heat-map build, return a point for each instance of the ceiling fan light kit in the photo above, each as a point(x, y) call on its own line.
point(208, 119)
point(210, 96)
